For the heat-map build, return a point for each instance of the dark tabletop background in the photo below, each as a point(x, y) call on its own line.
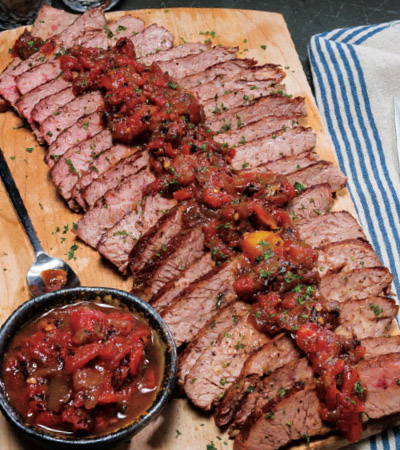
point(304, 17)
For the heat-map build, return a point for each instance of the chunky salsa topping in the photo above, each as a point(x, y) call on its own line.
point(53, 279)
point(83, 369)
point(26, 45)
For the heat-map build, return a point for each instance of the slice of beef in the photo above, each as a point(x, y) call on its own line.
point(355, 284)
point(204, 387)
point(382, 345)
point(112, 207)
point(291, 419)
point(85, 128)
point(320, 172)
point(67, 171)
point(333, 227)
point(81, 106)
point(255, 130)
point(99, 166)
point(118, 241)
point(52, 105)
point(368, 317)
point(153, 39)
point(51, 21)
point(188, 312)
point(180, 51)
point(160, 234)
point(173, 259)
point(273, 355)
point(27, 102)
point(173, 288)
point(189, 65)
point(273, 105)
point(226, 70)
point(242, 94)
point(346, 255)
point(291, 142)
point(114, 176)
point(381, 375)
point(313, 202)
point(287, 165)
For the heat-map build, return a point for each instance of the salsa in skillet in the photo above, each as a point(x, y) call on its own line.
point(83, 369)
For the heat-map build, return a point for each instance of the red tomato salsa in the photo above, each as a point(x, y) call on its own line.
point(83, 369)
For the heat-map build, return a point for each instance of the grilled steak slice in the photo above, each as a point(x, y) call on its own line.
point(81, 106)
point(154, 38)
point(236, 94)
point(200, 301)
point(27, 102)
point(291, 142)
point(173, 288)
point(226, 70)
point(287, 165)
point(160, 234)
point(226, 357)
point(346, 255)
point(381, 375)
point(333, 227)
point(368, 317)
point(189, 65)
point(223, 321)
point(355, 284)
point(182, 251)
point(180, 51)
point(255, 130)
point(114, 176)
point(320, 172)
point(313, 202)
point(271, 430)
point(85, 128)
point(118, 241)
point(51, 105)
point(383, 345)
point(112, 207)
point(51, 21)
point(66, 173)
point(273, 355)
point(273, 105)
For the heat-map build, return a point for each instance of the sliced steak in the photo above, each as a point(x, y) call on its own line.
point(225, 70)
point(67, 171)
point(333, 227)
point(118, 241)
point(287, 165)
point(51, 21)
point(173, 259)
point(313, 202)
point(160, 234)
point(273, 355)
point(27, 102)
point(174, 287)
point(85, 128)
point(189, 65)
point(273, 105)
point(112, 207)
point(203, 386)
point(180, 51)
point(52, 104)
point(383, 345)
point(235, 95)
point(320, 172)
point(114, 176)
point(346, 255)
point(223, 321)
point(188, 313)
point(291, 142)
point(81, 106)
point(104, 162)
point(368, 317)
point(355, 284)
point(255, 130)
point(153, 39)
point(291, 419)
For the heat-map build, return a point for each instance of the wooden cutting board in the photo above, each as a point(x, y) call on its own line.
point(260, 35)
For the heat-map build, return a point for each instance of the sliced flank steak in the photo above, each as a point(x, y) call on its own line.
point(52, 105)
point(180, 51)
point(382, 345)
point(51, 21)
point(312, 202)
point(289, 164)
point(153, 39)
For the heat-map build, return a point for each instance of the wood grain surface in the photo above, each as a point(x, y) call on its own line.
point(180, 427)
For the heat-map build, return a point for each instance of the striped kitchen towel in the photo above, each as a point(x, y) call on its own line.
point(356, 74)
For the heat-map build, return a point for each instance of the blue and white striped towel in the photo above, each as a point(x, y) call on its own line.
point(356, 73)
